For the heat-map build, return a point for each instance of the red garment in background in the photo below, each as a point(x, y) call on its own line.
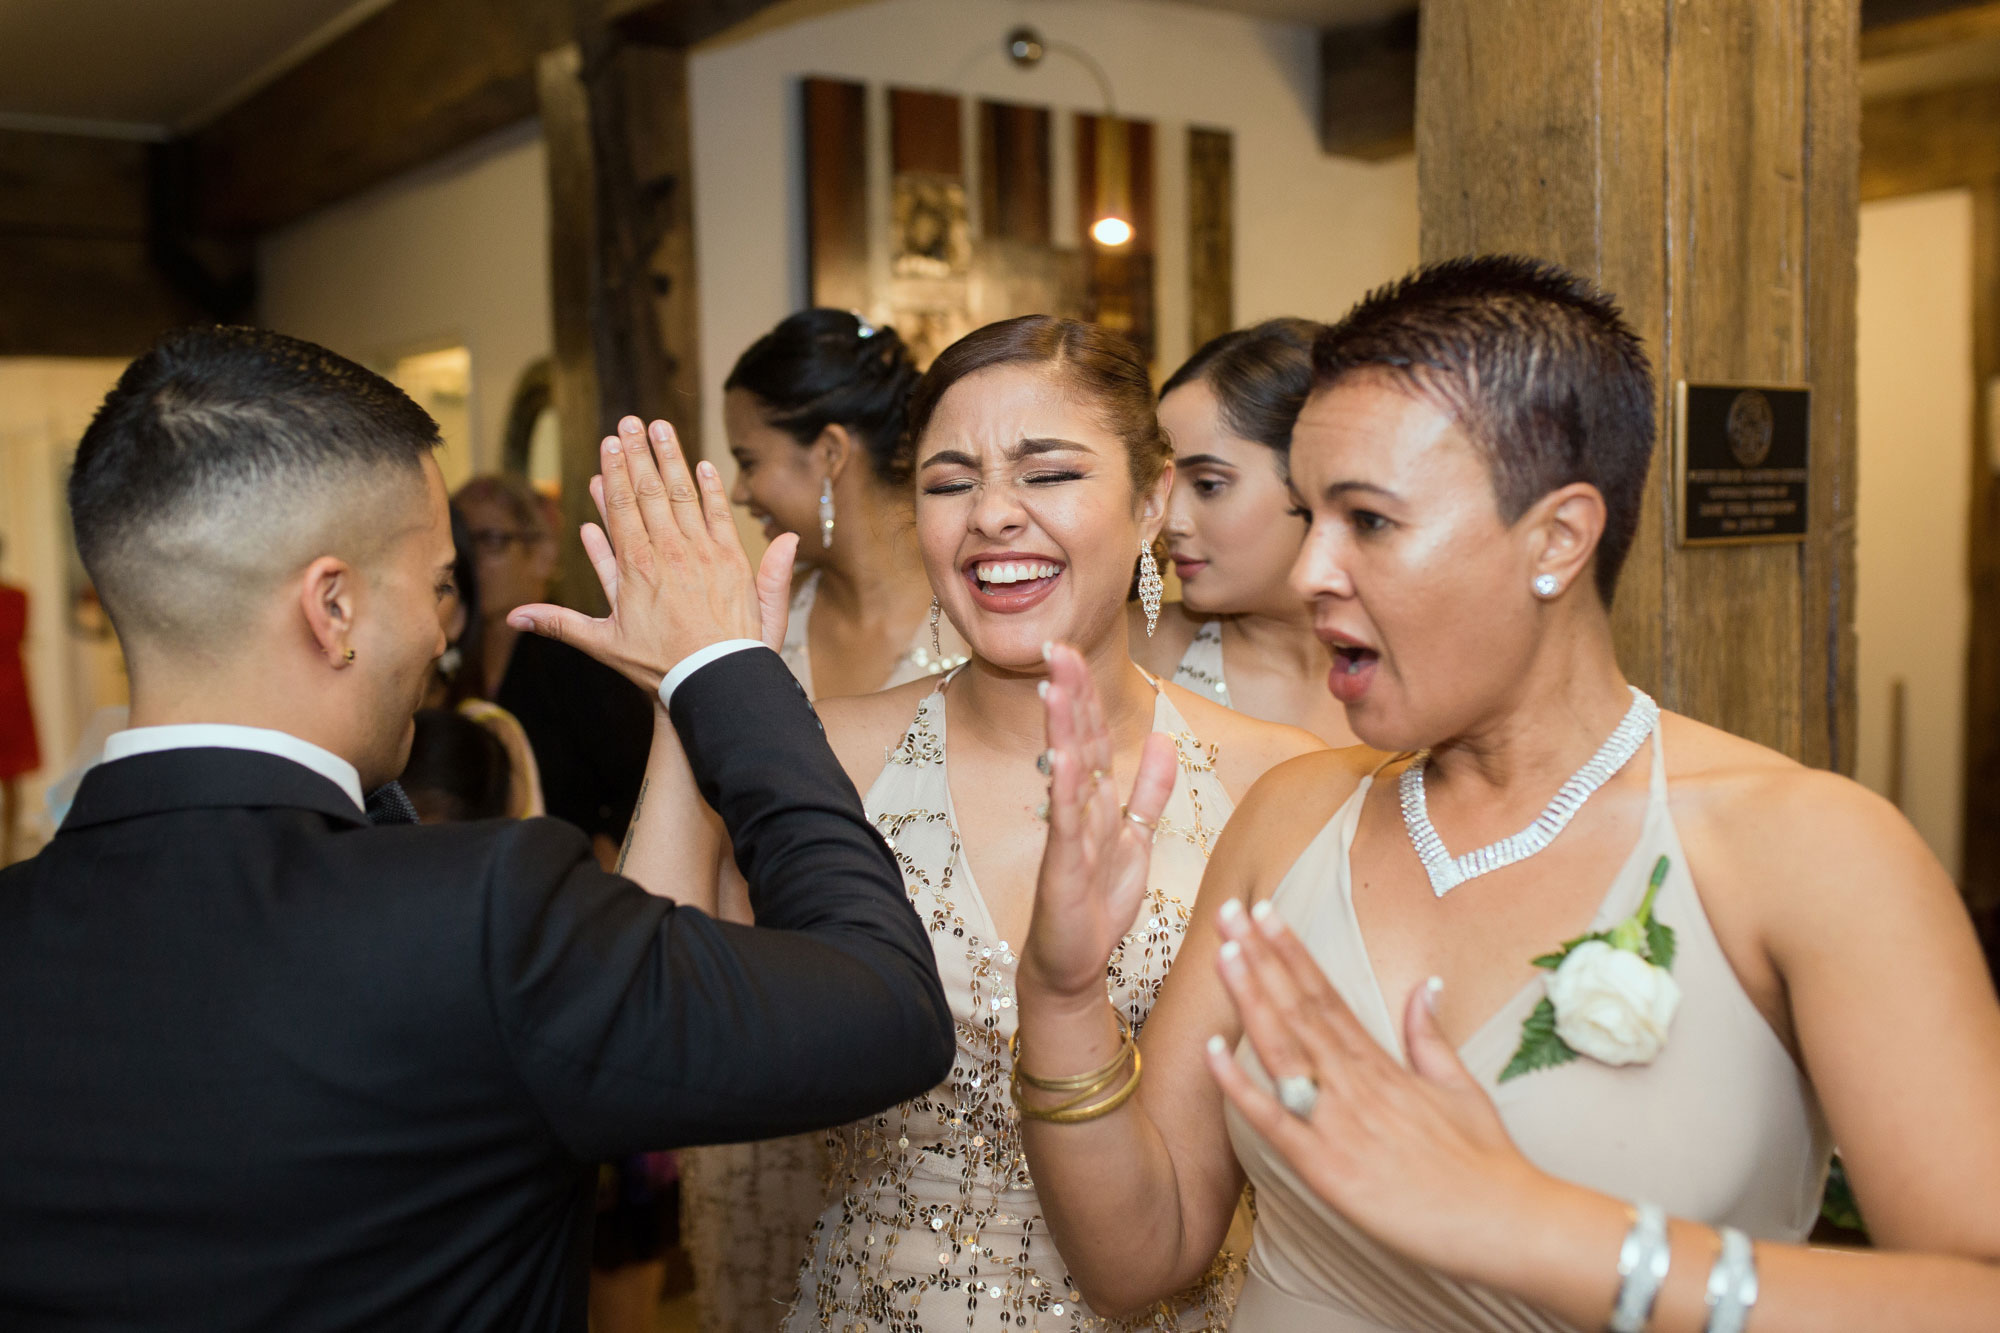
point(19, 751)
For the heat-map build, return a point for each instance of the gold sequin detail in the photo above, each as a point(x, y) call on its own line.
point(933, 1223)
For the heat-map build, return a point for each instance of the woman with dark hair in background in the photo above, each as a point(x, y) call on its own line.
point(814, 411)
point(1233, 531)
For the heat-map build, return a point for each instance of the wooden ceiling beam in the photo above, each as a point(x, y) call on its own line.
point(404, 87)
point(1935, 140)
point(1904, 27)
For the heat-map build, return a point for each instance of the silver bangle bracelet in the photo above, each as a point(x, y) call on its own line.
point(1732, 1284)
point(1642, 1269)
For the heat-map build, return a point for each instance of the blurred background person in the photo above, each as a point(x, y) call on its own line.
point(458, 769)
point(814, 414)
point(459, 680)
point(1239, 635)
point(20, 750)
point(587, 726)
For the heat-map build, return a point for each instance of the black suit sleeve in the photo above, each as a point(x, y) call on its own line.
point(639, 1025)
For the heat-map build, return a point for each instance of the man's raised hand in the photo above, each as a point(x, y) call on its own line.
point(673, 569)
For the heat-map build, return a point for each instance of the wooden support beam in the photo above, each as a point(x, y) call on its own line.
point(617, 126)
point(1980, 872)
point(77, 245)
point(1368, 88)
point(1705, 174)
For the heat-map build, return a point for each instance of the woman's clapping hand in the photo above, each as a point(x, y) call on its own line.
point(1095, 862)
point(1417, 1157)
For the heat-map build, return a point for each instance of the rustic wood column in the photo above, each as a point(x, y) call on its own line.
point(1698, 159)
point(621, 237)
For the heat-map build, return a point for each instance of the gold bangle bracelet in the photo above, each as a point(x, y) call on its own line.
point(1073, 1082)
point(1077, 1116)
point(1082, 1094)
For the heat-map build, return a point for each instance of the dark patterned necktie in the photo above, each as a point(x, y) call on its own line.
point(389, 804)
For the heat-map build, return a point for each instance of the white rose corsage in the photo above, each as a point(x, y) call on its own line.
point(1609, 995)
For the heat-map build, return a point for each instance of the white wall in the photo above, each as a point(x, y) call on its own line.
point(1312, 232)
point(1912, 606)
point(455, 253)
point(458, 252)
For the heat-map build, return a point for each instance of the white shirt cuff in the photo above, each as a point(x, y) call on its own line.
point(698, 659)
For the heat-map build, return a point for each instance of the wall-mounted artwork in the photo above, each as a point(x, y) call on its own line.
point(968, 231)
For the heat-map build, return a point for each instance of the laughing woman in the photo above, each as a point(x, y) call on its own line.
point(1041, 474)
point(1239, 635)
point(1589, 1074)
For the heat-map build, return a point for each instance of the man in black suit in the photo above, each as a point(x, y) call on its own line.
point(266, 1066)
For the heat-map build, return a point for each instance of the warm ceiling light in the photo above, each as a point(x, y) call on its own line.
point(1112, 231)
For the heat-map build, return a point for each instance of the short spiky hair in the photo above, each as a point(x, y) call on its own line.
point(1538, 366)
point(219, 450)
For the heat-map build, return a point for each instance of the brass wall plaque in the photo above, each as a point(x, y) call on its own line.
point(1741, 462)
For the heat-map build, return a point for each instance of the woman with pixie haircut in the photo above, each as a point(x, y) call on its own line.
point(1551, 1021)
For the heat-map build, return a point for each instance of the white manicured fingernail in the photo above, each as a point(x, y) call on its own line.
point(1267, 918)
point(1217, 1046)
point(1432, 989)
point(1230, 952)
point(1231, 911)
point(1048, 649)
point(1042, 688)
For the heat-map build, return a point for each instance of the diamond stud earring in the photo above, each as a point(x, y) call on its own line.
point(1546, 586)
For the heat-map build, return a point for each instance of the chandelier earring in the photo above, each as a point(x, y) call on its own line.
point(937, 649)
point(1546, 586)
point(1150, 587)
point(826, 513)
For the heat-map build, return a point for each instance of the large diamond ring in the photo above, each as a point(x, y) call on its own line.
point(1298, 1093)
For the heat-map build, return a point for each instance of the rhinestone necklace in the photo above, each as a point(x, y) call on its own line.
point(1447, 872)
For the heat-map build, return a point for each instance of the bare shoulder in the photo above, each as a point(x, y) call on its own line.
point(1246, 747)
point(863, 728)
point(1286, 809)
point(1161, 654)
point(1794, 836)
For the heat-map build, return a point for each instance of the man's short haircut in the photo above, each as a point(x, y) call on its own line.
point(219, 457)
point(1539, 368)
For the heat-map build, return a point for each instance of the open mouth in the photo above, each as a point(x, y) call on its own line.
point(1353, 670)
point(1012, 583)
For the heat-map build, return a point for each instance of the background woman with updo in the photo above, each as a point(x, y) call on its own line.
point(814, 412)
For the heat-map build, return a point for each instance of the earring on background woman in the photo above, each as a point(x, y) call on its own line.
point(1150, 587)
point(937, 649)
point(826, 513)
point(1546, 586)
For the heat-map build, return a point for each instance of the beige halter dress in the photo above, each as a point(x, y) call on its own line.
point(1721, 1128)
point(747, 1209)
point(1200, 668)
point(931, 1223)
